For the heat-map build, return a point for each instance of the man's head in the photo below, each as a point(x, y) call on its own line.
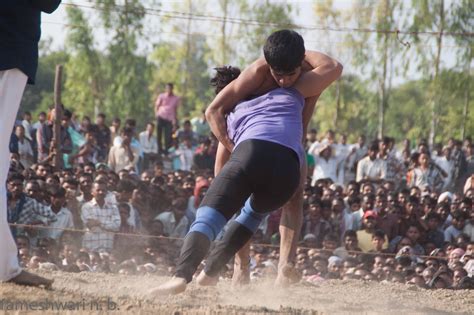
point(284, 52)
point(127, 135)
point(169, 88)
point(99, 190)
point(100, 120)
point(150, 128)
point(15, 184)
point(42, 117)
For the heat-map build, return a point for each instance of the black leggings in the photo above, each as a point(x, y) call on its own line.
point(266, 171)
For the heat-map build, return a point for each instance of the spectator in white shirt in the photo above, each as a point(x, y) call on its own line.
point(371, 167)
point(101, 219)
point(24, 147)
point(124, 155)
point(64, 219)
point(185, 153)
point(26, 123)
point(325, 164)
point(149, 145)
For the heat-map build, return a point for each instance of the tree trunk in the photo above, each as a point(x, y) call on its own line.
point(225, 4)
point(435, 94)
point(466, 102)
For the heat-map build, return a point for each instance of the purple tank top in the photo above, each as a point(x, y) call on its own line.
point(275, 116)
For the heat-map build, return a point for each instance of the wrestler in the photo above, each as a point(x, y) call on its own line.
point(263, 171)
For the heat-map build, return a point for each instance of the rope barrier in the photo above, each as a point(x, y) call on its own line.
point(319, 250)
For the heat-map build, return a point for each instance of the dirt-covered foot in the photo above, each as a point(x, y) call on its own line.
point(241, 274)
point(30, 279)
point(173, 286)
point(287, 275)
point(205, 280)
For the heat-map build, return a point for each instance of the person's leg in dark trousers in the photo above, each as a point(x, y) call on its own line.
point(272, 189)
point(158, 134)
point(168, 130)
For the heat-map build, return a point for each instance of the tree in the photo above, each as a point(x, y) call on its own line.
point(127, 74)
point(184, 62)
point(378, 15)
point(268, 17)
point(83, 89)
point(430, 16)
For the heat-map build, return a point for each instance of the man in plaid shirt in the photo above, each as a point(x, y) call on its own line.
point(101, 219)
point(23, 209)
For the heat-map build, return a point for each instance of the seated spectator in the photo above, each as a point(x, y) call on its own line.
point(101, 219)
point(64, 218)
point(175, 223)
point(456, 227)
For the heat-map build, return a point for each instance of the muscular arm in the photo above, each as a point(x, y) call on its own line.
point(325, 71)
point(246, 84)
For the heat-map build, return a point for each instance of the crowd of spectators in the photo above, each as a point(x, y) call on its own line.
point(116, 203)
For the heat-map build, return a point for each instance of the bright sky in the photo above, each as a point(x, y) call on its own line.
point(53, 27)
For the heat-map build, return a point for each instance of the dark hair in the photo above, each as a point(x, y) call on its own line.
point(15, 176)
point(284, 50)
point(351, 233)
point(379, 234)
point(127, 131)
point(56, 192)
point(224, 76)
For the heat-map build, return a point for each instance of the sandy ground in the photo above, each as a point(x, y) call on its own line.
point(88, 293)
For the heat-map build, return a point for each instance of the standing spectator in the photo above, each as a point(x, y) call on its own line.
point(447, 165)
point(325, 164)
point(166, 106)
point(149, 146)
point(124, 156)
point(394, 168)
point(101, 219)
point(115, 129)
point(200, 126)
point(103, 137)
point(41, 120)
point(26, 123)
point(425, 174)
point(24, 147)
point(88, 152)
point(371, 167)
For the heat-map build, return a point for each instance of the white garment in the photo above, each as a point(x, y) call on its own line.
point(149, 144)
point(185, 157)
point(63, 221)
point(24, 149)
point(28, 129)
point(373, 170)
point(12, 85)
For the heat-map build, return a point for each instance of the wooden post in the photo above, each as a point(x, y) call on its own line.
point(57, 120)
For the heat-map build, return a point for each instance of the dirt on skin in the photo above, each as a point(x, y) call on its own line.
point(91, 293)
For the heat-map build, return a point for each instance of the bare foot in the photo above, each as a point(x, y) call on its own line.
point(173, 286)
point(241, 274)
point(30, 279)
point(206, 280)
point(287, 275)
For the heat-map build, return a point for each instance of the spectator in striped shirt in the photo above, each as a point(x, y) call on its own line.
point(101, 219)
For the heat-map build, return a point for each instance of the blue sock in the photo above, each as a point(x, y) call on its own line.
point(208, 221)
point(249, 218)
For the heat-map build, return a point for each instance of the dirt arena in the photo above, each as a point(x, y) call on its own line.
point(88, 293)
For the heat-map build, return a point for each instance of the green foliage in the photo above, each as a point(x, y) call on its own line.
point(123, 81)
